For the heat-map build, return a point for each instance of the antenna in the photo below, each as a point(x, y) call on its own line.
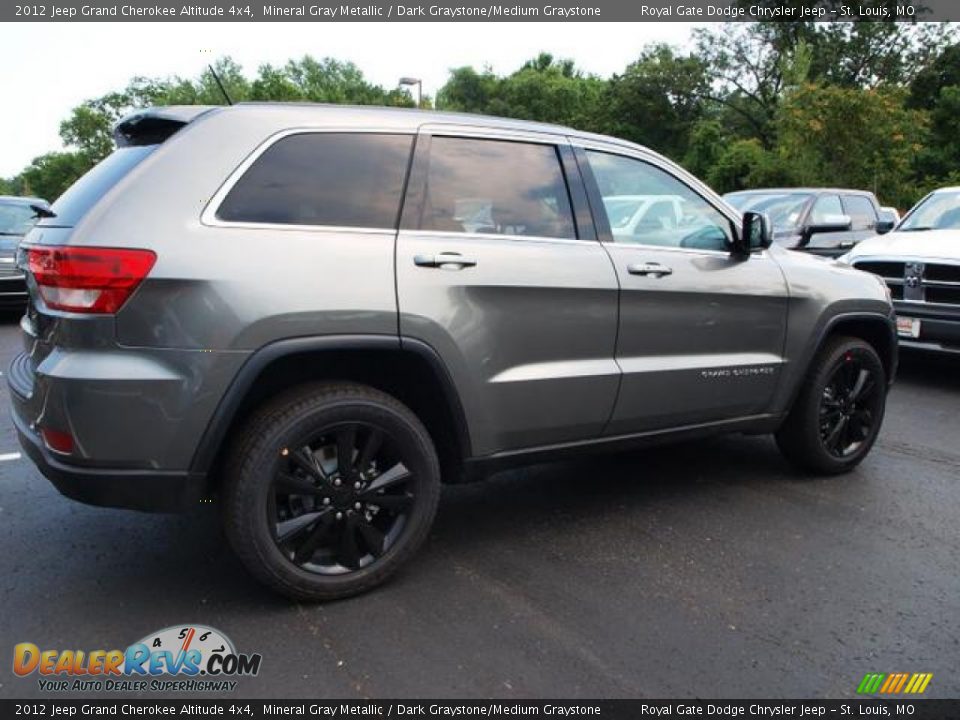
point(220, 84)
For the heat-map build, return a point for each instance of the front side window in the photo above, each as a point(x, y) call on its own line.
point(648, 206)
point(863, 216)
point(333, 179)
point(496, 187)
point(825, 209)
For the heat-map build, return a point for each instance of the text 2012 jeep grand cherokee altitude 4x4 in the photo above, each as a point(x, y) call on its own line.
point(318, 313)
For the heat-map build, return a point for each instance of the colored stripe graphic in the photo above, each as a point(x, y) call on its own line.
point(894, 683)
point(870, 683)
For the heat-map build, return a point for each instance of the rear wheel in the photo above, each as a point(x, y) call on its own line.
point(329, 490)
point(837, 415)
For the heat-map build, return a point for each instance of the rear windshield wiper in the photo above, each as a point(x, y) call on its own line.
point(915, 229)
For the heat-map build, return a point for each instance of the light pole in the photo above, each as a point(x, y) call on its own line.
point(405, 81)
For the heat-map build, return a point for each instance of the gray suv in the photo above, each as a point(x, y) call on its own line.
point(317, 315)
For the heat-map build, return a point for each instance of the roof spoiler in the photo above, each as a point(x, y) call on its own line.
point(154, 125)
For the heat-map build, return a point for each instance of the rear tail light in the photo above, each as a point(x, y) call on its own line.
point(88, 279)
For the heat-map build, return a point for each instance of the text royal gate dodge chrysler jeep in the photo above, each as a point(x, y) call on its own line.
point(320, 313)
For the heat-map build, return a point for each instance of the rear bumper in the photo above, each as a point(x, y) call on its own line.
point(134, 419)
point(151, 491)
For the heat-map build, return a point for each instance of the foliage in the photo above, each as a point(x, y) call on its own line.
point(851, 137)
point(49, 175)
point(544, 89)
point(657, 100)
point(874, 105)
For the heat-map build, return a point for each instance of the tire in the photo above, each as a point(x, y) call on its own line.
point(291, 503)
point(828, 430)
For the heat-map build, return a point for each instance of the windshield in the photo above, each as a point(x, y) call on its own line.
point(16, 218)
point(783, 209)
point(940, 211)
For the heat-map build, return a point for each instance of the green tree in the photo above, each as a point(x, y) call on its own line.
point(752, 65)
point(657, 100)
point(467, 90)
point(326, 80)
point(852, 137)
point(49, 175)
point(943, 72)
point(550, 90)
point(544, 89)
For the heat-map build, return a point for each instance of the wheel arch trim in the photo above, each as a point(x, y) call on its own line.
point(230, 404)
point(829, 326)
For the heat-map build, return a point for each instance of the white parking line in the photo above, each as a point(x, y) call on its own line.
point(9, 456)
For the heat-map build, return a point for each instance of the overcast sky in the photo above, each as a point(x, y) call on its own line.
point(48, 68)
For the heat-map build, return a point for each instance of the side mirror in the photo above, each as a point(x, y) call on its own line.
point(886, 223)
point(829, 223)
point(756, 233)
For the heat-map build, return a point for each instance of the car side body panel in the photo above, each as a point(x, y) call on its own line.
point(543, 343)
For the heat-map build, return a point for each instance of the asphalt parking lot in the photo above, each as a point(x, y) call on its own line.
point(711, 570)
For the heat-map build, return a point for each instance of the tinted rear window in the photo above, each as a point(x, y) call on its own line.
point(496, 187)
point(338, 179)
point(85, 192)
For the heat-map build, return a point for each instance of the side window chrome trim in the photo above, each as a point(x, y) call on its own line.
point(496, 236)
point(481, 132)
point(209, 215)
point(761, 253)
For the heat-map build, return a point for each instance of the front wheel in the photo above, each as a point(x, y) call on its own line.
point(329, 490)
point(838, 412)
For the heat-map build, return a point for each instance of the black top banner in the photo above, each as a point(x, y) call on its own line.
point(481, 11)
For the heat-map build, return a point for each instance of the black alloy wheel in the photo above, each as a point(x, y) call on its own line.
point(849, 405)
point(329, 489)
point(341, 500)
point(838, 411)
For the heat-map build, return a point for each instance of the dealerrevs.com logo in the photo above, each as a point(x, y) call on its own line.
point(187, 658)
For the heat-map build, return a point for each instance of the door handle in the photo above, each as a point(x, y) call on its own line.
point(447, 261)
point(649, 268)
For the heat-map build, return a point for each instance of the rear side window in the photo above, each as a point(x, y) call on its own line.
point(496, 187)
point(87, 191)
point(336, 179)
point(862, 214)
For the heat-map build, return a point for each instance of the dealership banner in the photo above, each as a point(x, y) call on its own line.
point(405, 709)
point(481, 11)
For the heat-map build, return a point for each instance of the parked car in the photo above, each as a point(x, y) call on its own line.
point(370, 301)
point(17, 216)
point(817, 220)
point(643, 216)
point(920, 261)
